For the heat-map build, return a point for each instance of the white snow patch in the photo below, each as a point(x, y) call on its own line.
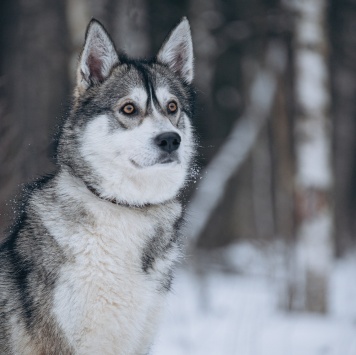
point(228, 313)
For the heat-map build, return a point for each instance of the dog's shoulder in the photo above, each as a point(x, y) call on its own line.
point(30, 260)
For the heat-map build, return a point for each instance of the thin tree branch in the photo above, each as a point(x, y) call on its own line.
point(238, 145)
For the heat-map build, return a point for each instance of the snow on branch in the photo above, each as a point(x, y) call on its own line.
point(238, 144)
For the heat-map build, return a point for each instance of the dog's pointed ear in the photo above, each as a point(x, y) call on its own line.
point(177, 51)
point(98, 57)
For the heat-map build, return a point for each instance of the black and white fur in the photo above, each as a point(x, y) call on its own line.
point(89, 264)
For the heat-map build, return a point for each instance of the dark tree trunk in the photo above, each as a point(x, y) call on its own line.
point(34, 79)
point(343, 57)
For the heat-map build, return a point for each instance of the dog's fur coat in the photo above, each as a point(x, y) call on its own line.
point(87, 267)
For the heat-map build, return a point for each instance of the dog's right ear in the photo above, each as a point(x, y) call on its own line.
point(98, 57)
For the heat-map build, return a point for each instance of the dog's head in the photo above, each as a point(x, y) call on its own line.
point(129, 136)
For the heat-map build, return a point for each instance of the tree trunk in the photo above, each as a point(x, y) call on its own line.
point(238, 144)
point(343, 39)
point(35, 83)
point(314, 178)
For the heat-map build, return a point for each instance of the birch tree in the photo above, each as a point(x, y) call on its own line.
point(314, 178)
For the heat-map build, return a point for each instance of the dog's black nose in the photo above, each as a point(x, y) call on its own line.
point(168, 141)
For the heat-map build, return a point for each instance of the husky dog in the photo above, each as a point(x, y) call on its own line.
point(88, 266)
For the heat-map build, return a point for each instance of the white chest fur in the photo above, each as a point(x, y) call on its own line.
point(104, 301)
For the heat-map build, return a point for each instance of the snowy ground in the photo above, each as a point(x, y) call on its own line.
point(225, 313)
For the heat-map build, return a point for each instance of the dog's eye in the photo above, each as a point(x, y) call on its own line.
point(172, 107)
point(128, 109)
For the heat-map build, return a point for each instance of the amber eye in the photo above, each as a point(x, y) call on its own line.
point(172, 107)
point(128, 109)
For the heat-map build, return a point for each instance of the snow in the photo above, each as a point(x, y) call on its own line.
point(225, 313)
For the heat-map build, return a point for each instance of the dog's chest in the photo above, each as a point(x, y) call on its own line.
point(108, 294)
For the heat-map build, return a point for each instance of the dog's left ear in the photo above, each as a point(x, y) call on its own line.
point(98, 57)
point(177, 51)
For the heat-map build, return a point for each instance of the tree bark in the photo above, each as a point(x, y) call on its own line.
point(343, 57)
point(314, 178)
point(35, 89)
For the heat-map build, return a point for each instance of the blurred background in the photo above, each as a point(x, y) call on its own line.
point(270, 219)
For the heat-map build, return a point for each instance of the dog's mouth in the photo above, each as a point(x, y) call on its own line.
point(166, 160)
point(136, 165)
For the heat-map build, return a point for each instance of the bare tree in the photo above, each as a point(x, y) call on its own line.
point(343, 84)
point(125, 20)
point(34, 89)
point(314, 176)
point(238, 145)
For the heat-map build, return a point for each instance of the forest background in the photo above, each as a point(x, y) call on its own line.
point(275, 120)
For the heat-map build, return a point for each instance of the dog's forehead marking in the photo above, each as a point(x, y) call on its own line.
point(139, 95)
point(163, 94)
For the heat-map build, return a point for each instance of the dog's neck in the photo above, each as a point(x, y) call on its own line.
point(69, 170)
point(114, 201)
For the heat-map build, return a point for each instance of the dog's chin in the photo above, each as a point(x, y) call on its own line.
point(152, 184)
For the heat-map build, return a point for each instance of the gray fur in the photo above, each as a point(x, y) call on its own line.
point(29, 264)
